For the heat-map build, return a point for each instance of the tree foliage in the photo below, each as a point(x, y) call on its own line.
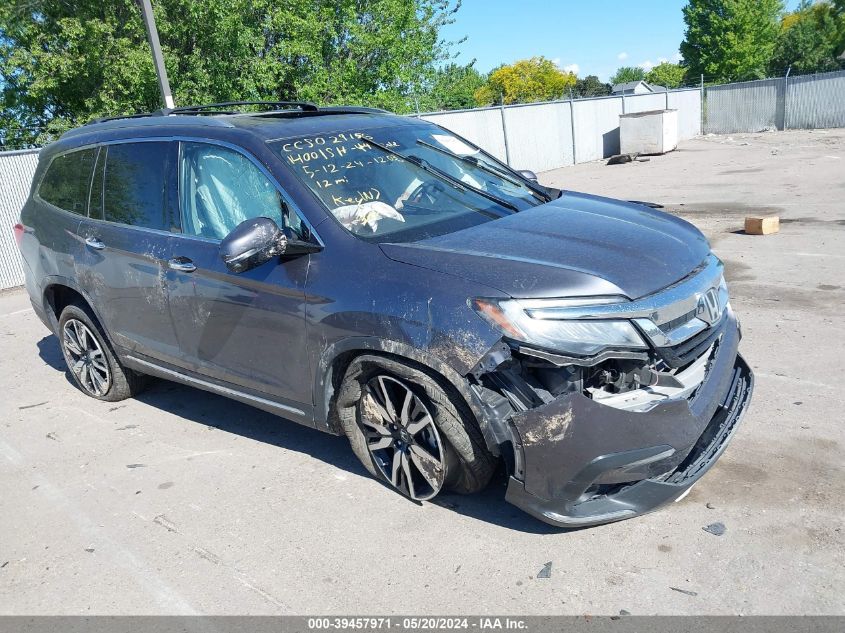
point(667, 74)
point(627, 74)
point(525, 81)
point(453, 88)
point(730, 40)
point(810, 39)
point(591, 86)
point(62, 63)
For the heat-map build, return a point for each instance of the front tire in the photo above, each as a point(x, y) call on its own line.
point(92, 363)
point(408, 432)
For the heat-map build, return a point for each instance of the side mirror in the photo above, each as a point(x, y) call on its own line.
point(528, 174)
point(252, 243)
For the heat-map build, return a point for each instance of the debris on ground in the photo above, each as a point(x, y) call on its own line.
point(684, 591)
point(624, 612)
point(709, 506)
point(546, 572)
point(135, 465)
point(52, 436)
point(762, 225)
point(621, 159)
point(32, 406)
point(716, 529)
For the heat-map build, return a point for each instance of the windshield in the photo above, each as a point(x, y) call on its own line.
point(405, 183)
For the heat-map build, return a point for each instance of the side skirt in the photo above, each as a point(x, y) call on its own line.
point(303, 415)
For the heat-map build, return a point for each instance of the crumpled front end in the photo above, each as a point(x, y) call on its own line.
point(607, 438)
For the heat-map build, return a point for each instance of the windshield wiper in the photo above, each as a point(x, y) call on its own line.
point(442, 175)
point(490, 169)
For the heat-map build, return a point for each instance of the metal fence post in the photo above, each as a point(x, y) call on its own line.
point(666, 90)
point(505, 132)
point(572, 126)
point(786, 98)
point(703, 122)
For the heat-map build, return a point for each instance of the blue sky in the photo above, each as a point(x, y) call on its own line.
point(593, 38)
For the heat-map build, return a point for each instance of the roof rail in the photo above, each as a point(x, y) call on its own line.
point(199, 109)
point(209, 108)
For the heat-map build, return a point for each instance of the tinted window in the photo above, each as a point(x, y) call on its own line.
point(220, 188)
point(133, 191)
point(66, 182)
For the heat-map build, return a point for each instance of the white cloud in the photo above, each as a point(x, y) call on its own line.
point(622, 56)
point(646, 65)
point(556, 61)
point(661, 60)
point(678, 58)
point(572, 68)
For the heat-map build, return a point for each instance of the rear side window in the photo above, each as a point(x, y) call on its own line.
point(134, 184)
point(66, 182)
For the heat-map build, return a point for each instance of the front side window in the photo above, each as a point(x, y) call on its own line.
point(405, 182)
point(220, 188)
point(134, 184)
point(65, 184)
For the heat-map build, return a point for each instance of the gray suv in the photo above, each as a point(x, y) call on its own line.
point(382, 278)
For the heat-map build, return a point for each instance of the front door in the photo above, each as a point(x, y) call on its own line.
point(247, 329)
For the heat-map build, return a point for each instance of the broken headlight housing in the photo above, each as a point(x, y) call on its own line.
point(524, 320)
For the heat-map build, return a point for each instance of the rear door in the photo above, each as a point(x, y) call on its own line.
point(249, 328)
point(127, 238)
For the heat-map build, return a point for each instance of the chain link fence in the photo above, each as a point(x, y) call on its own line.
point(789, 102)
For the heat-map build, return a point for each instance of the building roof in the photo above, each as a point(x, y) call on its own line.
point(631, 86)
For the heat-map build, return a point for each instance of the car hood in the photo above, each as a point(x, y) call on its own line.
point(577, 245)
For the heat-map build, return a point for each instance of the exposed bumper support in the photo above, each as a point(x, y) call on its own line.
point(586, 463)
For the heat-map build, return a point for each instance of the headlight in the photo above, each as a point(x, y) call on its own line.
point(581, 337)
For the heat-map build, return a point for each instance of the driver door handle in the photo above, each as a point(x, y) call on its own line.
point(182, 264)
point(95, 243)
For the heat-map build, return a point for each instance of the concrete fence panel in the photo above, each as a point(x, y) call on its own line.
point(539, 136)
point(645, 103)
point(596, 128)
point(16, 171)
point(483, 127)
point(688, 105)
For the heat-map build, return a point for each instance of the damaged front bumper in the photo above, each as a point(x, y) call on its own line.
point(582, 463)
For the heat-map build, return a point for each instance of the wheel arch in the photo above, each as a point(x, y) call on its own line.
point(336, 359)
point(58, 293)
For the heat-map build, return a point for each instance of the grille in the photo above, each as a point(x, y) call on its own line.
point(677, 322)
point(684, 353)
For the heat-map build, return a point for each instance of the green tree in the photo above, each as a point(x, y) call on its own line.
point(810, 39)
point(591, 86)
point(667, 74)
point(626, 74)
point(525, 81)
point(453, 88)
point(62, 63)
point(730, 40)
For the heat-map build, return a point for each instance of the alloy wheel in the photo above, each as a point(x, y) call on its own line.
point(85, 358)
point(402, 438)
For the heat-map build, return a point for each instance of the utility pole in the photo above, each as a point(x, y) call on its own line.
point(158, 60)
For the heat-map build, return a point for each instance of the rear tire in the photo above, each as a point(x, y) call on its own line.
point(90, 359)
point(403, 425)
